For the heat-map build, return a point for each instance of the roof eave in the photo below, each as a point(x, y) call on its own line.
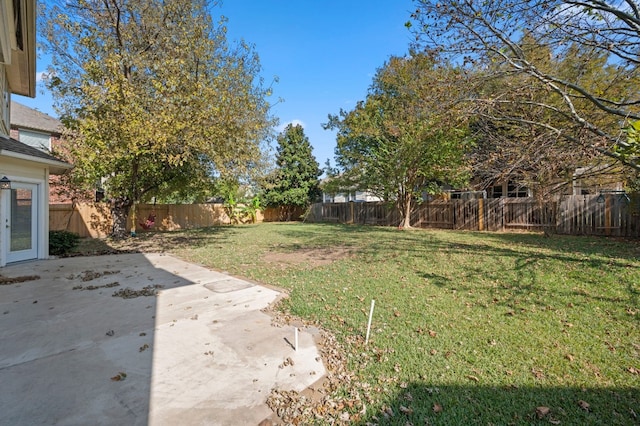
point(55, 167)
point(21, 72)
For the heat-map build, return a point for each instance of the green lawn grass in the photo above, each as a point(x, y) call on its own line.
point(468, 328)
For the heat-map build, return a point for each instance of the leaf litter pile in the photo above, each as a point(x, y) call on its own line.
point(14, 280)
point(337, 396)
point(128, 293)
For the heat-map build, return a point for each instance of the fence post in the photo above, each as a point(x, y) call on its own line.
point(607, 214)
point(480, 214)
point(350, 220)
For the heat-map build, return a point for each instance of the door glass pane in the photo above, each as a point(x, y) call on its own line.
point(21, 219)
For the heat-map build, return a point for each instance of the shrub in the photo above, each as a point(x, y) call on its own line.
point(61, 243)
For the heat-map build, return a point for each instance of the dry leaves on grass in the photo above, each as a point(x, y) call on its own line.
point(584, 405)
point(321, 403)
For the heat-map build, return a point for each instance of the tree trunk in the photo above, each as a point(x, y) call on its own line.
point(406, 211)
point(120, 213)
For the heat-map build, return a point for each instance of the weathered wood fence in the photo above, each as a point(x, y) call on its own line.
point(609, 214)
point(94, 219)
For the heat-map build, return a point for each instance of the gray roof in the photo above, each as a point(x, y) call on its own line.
point(13, 148)
point(28, 118)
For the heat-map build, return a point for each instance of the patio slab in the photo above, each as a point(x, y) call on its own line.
point(200, 351)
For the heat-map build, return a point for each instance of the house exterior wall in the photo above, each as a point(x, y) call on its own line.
point(359, 196)
point(29, 172)
point(59, 192)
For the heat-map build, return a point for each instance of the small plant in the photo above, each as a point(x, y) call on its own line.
point(232, 209)
point(61, 243)
point(251, 208)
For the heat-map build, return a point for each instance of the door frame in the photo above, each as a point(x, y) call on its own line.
point(40, 197)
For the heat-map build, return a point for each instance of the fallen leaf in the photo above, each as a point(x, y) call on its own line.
point(437, 408)
point(542, 411)
point(432, 333)
point(406, 410)
point(584, 405)
point(119, 377)
point(396, 313)
point(474, 378)
point(569, 357)
point(633, 370)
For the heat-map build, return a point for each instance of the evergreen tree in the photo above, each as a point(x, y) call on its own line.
point(295, 182)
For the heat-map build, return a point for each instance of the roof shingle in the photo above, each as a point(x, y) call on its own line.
point(28, 118)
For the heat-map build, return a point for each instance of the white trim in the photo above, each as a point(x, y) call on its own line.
point(52, 163)
point(42, 193)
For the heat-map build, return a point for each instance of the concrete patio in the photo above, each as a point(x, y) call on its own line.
point(193, 348)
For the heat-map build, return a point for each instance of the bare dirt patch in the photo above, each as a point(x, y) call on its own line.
point(313, 257)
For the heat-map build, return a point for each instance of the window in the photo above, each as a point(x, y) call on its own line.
point(516, 191)
point(36, 139)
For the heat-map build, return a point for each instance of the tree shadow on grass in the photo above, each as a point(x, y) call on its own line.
point(421, 403)
point(159, 242)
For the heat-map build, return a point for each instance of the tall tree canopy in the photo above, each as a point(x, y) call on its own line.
point(155, 100)
point(513, 142)
point(294, 182)
point(407, 137)
point(482, 35)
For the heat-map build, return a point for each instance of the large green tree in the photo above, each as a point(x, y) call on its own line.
point(482, 34)
point(408, 137)
point(294, 182)
point(155, 100)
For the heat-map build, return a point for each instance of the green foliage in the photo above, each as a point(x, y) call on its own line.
point(294, 182)
point(62, 243)
point(578, 60)
point(231, 208)
point(407, 137)
point(629, 149)
point(250, 209)
point(155, 101)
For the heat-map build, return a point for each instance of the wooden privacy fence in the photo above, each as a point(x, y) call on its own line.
point(607, 214)
point(94, 219)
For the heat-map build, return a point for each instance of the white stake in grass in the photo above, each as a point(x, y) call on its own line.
point(373, 303)
point(296, 338)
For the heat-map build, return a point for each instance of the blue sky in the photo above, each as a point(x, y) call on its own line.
point(324, 54)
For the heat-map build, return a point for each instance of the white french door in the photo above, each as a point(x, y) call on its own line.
point(22, 222)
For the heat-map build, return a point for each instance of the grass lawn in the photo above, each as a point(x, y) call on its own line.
point(468, 328)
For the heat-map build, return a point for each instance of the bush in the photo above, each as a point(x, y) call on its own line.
point(62, 243)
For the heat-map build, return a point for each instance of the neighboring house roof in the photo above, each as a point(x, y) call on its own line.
point(28, 118)
point(16, 149)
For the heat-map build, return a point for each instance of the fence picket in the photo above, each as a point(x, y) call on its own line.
point(576, 214)
point(610, 214)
